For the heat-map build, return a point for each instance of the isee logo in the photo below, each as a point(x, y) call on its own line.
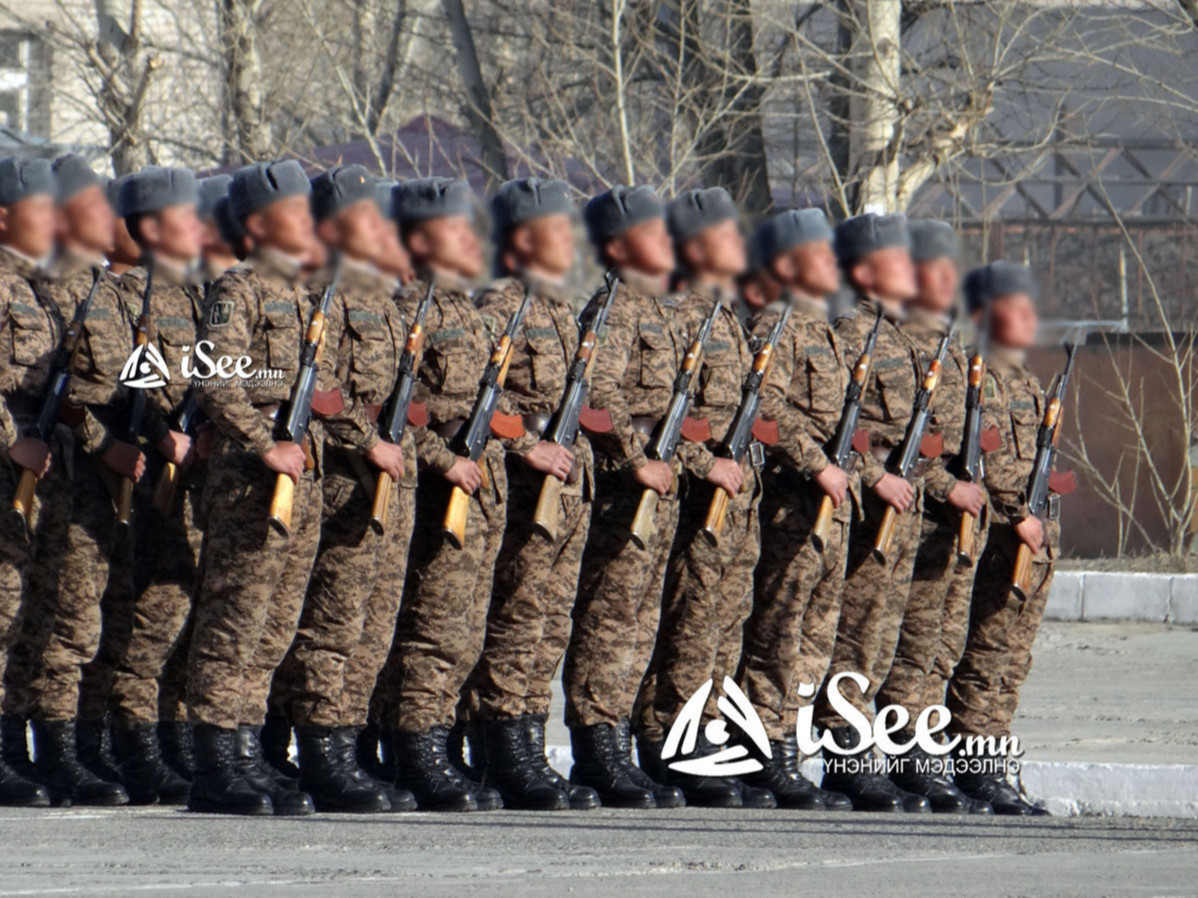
point(145, 369)
point(731, 760)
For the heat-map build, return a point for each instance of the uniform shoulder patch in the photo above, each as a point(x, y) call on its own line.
point(221, 313)
point(990, 389)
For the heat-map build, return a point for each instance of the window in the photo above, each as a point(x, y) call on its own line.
point(14, 79)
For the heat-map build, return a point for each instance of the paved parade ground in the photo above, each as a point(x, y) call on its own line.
point(1105, 692)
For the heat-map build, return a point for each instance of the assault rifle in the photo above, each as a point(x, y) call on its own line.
point(137, 402)
point(970, 467)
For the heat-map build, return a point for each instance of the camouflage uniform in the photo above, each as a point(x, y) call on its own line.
point(356, 565)
point(535, 580)
point(791, 633)
point(442, 619)
point(69, 576)
point(254, 578)
point(984, 691)
point(933, 632)
point(619, 588)
point(30, 330)
point(708, 590)
point(875, 593)
point(168, 548)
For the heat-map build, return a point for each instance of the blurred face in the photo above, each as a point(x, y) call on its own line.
point(390, 255)
point(887, 274)
point(448, 243)
point(175, 233)
point(645, 248)
point(356, 230)
point(28, 225)
point(1013, 321)
point(809, 267)
point(285, 225)
point(543, 245)
point(937, 281)
point(87, 222)
point(717, 251)
point(759, 291)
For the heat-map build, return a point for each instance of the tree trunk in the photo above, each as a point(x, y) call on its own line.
point(873, 115)
point(478, 98)
point(251, 132)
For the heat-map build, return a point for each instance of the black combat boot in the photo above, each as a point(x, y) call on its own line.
point(14, 743)
point(854, 776)
point(283, 791)
point(984, 779)
point(218, 788)
point(582, 798)
point(665, 796)
point(511, 770)
point(16, 791)
point(58, 768)
point(366, 753)
point(345, 743)
point(422, 768)
point(920, 773)
point(597, 766)
point(780, 775)
point(143, 770)
point(460, 738)
point(93, 743)
point(331, 784)
point(175, 742)
point(275, 738)
point(699, 791)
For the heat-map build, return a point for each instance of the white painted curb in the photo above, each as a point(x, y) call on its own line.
point(1107, 595)
point(1067, 788)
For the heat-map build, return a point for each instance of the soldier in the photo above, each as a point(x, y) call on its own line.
point(873, 251)
point(796, 606)
point(442, 618)
point(536, 578)
point(356, 567)
point(64, 623)
point(984, 691)
point(708, 589)
point(158, 206)
point(216, 256)
point(30, 329)
point(938, 606)
point(619, 588)
point(251, 589)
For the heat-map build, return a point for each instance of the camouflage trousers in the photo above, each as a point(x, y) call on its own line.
point(252, 588)
point(706, 600)
point(932, 636)
point(16, 550)
point(791, 632)
point(618, 604)
point(443, 616)
point(984, 691)
point(536, 580)
point(357, 570)
point(873, 603)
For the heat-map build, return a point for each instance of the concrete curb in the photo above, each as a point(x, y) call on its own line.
point(1067, 788)
point(1106, 595)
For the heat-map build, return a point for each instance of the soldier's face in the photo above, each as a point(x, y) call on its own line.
point(28, 225)
point(547, 243)
point(284, 225)
point(87, 221)
point(174, 232)
point(937, 281)
point(719, 250)
point(1013, 321)
point(645, 247)
point(890, 274)
point(357, 230)
point(391, 257)
point(450, 243)
point(812, 268)
point(212, 242)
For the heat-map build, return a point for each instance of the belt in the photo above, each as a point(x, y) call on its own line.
point(644, 424)
point(536, 422)
point(373, 412)
point(447, 430)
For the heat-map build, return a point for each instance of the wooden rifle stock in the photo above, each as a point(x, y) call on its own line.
point(819, 531)
point(645, 520)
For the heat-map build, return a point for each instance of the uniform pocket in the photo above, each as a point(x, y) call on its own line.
point(547, 360)
point(1025, 424)
point(719, 385)
point(895, 380)
point(657, 363)
point(282, 328)
point(32, 339)
point(371, 351)
point(452, 369)
point(824, 391)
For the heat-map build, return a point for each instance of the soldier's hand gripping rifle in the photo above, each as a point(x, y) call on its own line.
point(1042, 469)
point(395, 418)
point(740, 433)
point(293, 428)
point(137, 402)
point(56, 392)
point(908, 450)
point(471, 440)
point(669, 431)
point(970, 467)
point(563, 429)
point(840, 449)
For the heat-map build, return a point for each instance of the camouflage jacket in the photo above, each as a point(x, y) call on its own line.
point(106, 343)
point(259, 310)
point(176, 314)
point(30, 331)
point(456, 349)
point(948, 405)
point(807, 384)
point(639, 355)
point(893, 380)
point(1015, 403)
point(727, 359)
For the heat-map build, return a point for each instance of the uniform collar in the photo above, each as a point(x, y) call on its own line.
point(15, 260)
point(169, 273)
point(642, 284)
point(1004, 357)
point(68, 262)
point(936, 321)
point(448, 281)
point(892, 312)
point(272, 261)
point(815, 306)
point(555, 291)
